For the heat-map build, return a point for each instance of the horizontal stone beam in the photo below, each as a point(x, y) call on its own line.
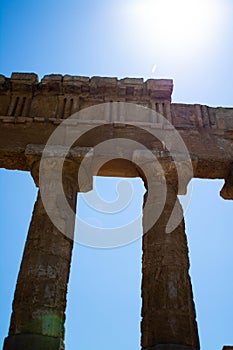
point(30, 111)
point(213, 149)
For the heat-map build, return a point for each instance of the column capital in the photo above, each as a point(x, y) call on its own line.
point(57, 159)
point(176, 168)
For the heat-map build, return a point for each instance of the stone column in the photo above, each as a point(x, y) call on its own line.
point(168, 312)
point(38, 316)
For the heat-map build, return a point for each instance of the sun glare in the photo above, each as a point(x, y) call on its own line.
point(180, 25)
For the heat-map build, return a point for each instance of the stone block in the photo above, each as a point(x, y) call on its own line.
point(30, 77)
point(131, 81)
point(51, 77)
point(75, 79)
point(23, 82)
point(4, 85)
point(130, 87)
point(2, 79)
point(51, 83)
point(103, 82)
point(160, 88)
point(99, 85)
point(75, 84)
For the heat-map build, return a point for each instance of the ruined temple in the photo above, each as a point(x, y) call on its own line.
point(30, 111)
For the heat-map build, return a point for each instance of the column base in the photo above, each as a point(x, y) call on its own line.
point(170, 347)
point(32, 341)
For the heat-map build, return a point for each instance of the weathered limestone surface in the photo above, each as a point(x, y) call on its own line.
point(30, 111)
point(168, 312)
point(40, 298)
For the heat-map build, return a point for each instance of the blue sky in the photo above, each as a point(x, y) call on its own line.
point(122, 39)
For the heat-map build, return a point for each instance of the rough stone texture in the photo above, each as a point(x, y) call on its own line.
point(31, 110)
point(29, 113)
point(40, 296)
point(168, 313)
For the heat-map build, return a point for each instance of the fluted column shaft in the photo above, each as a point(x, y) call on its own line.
point(168, 312)
point(38, 315)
